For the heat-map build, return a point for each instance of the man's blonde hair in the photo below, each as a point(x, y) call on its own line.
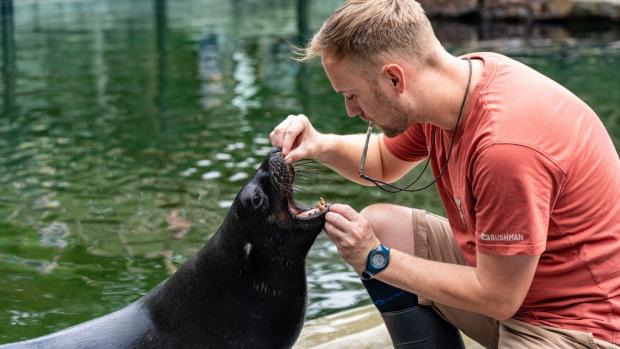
point(365, 30)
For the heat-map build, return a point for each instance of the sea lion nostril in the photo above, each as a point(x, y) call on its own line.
point(274, 151)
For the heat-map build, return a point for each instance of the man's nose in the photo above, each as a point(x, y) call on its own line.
point(352, 108)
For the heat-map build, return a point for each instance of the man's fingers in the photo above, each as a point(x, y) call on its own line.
point(337, 220)
point(293, 155)
point(277, 135)
point(331, 231)
point(344, 210)
point(272, 137)
point(335, 234)
point(292, 136)
point(294, 130)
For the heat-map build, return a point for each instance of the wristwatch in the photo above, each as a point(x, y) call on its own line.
point(378, 259)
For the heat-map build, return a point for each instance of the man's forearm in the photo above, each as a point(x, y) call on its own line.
point(453, 285)
point(342, 154)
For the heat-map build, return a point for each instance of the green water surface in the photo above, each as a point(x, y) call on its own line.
point(127, 128)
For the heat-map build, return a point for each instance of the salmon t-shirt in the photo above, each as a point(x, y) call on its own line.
point(533, 172)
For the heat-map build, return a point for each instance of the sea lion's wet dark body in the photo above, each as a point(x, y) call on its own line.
point(246, 288)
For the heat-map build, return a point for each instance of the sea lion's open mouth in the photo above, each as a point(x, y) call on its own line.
point(318, 209)
point(284, 174)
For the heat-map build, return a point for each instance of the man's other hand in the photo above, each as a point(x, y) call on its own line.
point(352, 235)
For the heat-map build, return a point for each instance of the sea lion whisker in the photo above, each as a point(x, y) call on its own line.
point(305, 161)
point(308, 179)
point(285, 189)
point(308, 176)
point(309, 171)
point(319, 177)
point(314, 170)
point(303, 190)
point(310, 164)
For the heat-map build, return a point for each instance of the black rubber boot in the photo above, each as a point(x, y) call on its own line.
point(411, 326)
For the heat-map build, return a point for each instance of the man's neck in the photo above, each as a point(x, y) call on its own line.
point(447, 90)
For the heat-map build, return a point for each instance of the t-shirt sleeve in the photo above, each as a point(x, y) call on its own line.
point(515, 188)
point(409, 145)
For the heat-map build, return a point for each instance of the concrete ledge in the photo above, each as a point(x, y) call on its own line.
point(356, 328)
point(360, 328)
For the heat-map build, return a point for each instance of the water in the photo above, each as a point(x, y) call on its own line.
point(127, 128)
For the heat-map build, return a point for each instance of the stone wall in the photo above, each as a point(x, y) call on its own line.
point(524, 9)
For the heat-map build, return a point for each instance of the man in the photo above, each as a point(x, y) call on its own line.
point(529, 256)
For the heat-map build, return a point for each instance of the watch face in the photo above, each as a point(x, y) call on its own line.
point(378, 260)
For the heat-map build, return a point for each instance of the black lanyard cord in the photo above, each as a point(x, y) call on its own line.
point(390, 188)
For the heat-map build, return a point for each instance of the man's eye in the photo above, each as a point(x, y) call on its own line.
point(349, 97)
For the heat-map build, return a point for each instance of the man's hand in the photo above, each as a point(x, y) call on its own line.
point(297, 138)
point(352, 235)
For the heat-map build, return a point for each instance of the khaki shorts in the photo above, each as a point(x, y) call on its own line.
point(433, 240)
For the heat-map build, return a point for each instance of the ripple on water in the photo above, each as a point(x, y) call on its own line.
point(262, 151)
point(224, 203)
point(203, 163)
point(235, 146)
point(335, 300)
point(261, 140)
point(54, 234)
point(223, 156)
point(238, 177)
point(190, 171)
point(245, 163)
point(211, 175)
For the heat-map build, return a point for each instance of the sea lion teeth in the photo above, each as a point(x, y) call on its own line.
point(318, 208)
point(322, 204)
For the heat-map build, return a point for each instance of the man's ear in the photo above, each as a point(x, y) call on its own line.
point(395, 73)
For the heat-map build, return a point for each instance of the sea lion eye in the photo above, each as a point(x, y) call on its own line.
point(253, 196)
point(258, 199)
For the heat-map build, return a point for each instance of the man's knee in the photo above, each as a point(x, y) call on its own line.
point(392, 224)
point(374, 212)
point(378, 216)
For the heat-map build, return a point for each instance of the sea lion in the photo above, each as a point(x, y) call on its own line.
point(246, 288)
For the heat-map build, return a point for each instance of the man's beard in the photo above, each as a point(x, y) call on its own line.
point(399, 115)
